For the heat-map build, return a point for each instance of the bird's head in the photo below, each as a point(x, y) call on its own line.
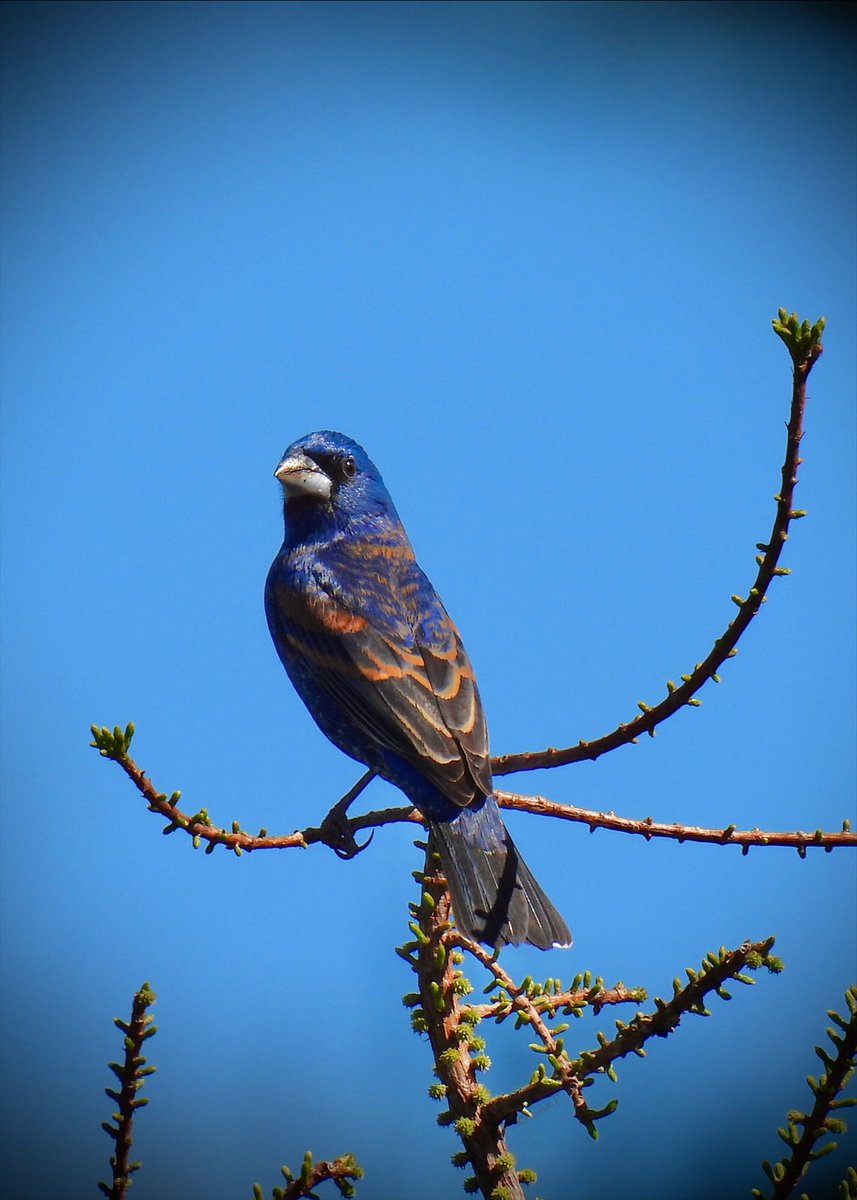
point(326, 475)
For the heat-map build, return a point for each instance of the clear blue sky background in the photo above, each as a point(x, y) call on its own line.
point(528, 254)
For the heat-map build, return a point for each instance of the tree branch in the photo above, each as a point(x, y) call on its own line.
point(342, 1171)
point(438, 1011)
point(114, 744)
point(787, 1173)
point(717, 969)
point(647, 828)
point(571, 1001)
point(131, 1075)
point(805, 348)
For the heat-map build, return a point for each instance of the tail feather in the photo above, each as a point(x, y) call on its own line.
point(495, 896)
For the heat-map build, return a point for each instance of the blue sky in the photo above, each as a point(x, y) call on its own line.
point(528, 255)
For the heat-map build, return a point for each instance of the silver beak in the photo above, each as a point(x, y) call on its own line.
point(300, 476)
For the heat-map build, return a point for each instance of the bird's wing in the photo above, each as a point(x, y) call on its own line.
point(407, 689)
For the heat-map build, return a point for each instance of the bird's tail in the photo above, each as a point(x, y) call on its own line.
point(495, 896)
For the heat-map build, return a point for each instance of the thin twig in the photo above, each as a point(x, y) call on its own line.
point(131, 1074)
point(839, 1068)
point(502, 1108)
point(552, 1003)
point(646, 827)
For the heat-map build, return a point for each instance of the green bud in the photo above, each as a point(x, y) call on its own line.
point(437, 995)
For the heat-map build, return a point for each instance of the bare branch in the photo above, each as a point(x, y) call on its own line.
point(647, 828)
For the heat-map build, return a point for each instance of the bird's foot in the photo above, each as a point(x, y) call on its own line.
point(336, 829)
point(337, 832)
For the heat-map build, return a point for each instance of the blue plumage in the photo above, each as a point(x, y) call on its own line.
point(381, 667)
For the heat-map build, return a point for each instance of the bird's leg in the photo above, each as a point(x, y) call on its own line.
point(336, 828)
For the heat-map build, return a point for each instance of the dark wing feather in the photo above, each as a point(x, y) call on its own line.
point(410, 691)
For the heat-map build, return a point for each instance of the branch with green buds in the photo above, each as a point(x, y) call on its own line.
point(439, 1010)
point(551, 999)
point(131, 1074)
point(805, 1130)
point(343, 1171)
point(114, 744)
point(717, 969)
point(529, 1001)
point(803, 342)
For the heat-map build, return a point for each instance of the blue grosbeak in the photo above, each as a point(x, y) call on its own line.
point(379, 664)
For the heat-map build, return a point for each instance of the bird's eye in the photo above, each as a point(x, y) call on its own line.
point(349, 467)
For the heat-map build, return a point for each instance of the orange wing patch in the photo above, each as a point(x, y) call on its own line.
point(318, 611)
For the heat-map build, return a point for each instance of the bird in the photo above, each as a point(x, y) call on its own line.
point(379, 664)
